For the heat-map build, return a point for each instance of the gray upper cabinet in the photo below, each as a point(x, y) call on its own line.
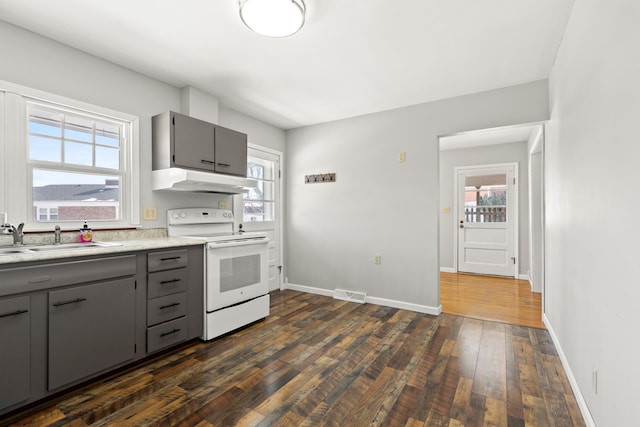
point(185, 142)
point(231, 152)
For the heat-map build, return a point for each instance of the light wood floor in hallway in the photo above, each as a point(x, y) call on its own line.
point(500, 299)
point(316, 361)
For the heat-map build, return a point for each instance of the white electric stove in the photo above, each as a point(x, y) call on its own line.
point(236, 290)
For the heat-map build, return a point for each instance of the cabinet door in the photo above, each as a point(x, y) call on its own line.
point(231, 152)
point(15, 350)
point(91, 328)
point(193, 143)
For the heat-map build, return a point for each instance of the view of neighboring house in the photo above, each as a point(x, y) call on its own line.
point(60, 202)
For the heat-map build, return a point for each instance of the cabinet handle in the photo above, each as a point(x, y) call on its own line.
point(173, 258)
point(164, 334)
point(15, 313)
point(73, 301)
point(165, 282)
point(162, 307)
point(209, 162)
point(226, 165)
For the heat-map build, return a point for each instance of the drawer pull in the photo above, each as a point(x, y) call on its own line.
point(162, 307)
point(166, 282)
point(73, 301)
point(164, 334)
point(15, 313)
point(173, 258)
point(207, 162)
point(226, 165)
point(39, 279)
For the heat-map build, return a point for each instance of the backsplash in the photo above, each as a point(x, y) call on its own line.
point(98, 235)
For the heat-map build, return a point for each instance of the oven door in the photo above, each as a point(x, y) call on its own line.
point(236, 272)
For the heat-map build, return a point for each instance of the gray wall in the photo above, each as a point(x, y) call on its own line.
point(40, 63)
point(378, 205)
point(591, 177)
point(486, 155)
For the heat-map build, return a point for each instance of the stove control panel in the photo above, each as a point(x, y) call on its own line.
point(187, 216)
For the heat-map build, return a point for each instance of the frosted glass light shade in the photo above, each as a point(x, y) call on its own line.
point(273, 18)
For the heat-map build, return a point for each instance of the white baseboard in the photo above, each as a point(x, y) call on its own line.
point(582, 404)
point(309, 289)
point(371, 300)
point(524, 277)
point(448, 270)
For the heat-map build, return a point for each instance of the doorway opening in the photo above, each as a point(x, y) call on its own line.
point(477, 172)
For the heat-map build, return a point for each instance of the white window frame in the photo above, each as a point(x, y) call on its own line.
point(16, 181)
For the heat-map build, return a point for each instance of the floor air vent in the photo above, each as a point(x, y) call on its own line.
point(352, 296)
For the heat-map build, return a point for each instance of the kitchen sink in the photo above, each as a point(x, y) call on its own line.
point(64, 246)
point(16, 250)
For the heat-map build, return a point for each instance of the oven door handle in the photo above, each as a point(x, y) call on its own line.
point(235, 243)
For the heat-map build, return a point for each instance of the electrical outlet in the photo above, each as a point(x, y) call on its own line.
point(222, 204)
point(594, 380)
point(401, 157)
point(150, 214)
point(377, 260)
point(446, 209)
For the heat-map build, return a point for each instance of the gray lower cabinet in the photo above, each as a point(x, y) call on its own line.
point(167, 298)
point(91, 328)
point(15, 352)
point(65, 322)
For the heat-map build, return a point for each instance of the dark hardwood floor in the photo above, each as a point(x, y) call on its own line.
point(319, 361)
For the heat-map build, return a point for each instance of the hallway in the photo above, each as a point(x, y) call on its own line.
point(500, 299)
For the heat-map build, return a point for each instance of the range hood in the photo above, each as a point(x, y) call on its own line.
point(177, 179)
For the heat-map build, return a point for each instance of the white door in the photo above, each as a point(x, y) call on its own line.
point(260, 209)
point(487, 219)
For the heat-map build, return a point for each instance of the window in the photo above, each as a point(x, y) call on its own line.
point(485, 198)
point(70, 162)
point(75, 163)
point(259, 203)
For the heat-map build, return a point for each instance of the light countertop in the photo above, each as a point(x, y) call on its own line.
point(114, 248)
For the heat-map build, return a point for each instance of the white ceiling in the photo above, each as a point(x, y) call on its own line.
point(351, 57)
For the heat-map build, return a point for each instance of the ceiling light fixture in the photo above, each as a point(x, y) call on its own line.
point(273, 18)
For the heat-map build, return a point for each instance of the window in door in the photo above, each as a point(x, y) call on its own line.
point(259, 203)
point(485, 198)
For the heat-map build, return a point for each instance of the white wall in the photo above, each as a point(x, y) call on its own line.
point(591, 176)
point(485, 155)
point(378, 205)
point(40, 63)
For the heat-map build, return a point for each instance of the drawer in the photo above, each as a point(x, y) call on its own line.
point(166, 282)
point(166, 260)
point(166, 308)
point(48, 276)
point(166, 334)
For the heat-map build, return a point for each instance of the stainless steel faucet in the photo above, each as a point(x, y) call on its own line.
point(18, 235)
point(56, 235)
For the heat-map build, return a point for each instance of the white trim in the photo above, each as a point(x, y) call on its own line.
point(308, 289)
point(448, 270)
point(435, 311)
point(524, 277)
point(582, 403)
